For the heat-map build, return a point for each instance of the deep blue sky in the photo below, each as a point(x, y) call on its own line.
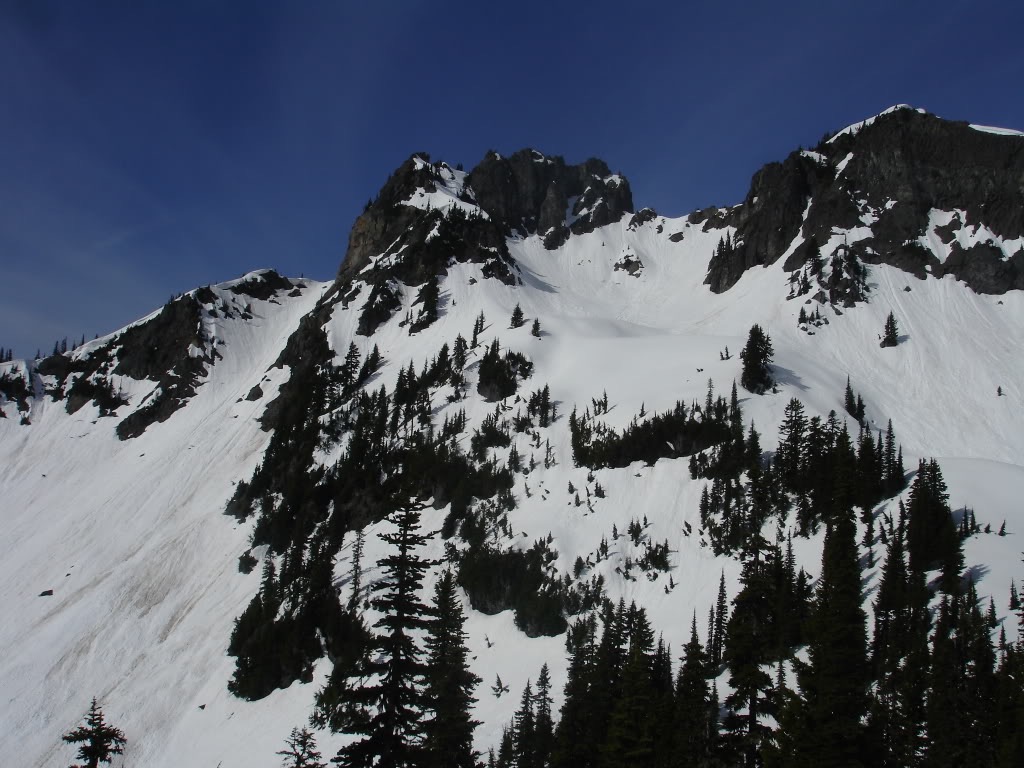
point(147, 148)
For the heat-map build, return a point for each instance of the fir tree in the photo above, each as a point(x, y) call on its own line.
point(757, 358)
point(448, 731)
point(517, 317)
point(300, 750)
point(835, 681)
point(387, 711)
point(890, 336)
point(543, 720)
point(535, 328)
point(695, 726)
point(356, 572)
point(98, 740)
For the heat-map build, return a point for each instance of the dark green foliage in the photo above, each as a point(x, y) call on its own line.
point(932, 540)
point(853, 404)
point(749, 645)
point(757, 359)
point(427, 298)
point(97, 389)
point(98, 740)
point(679, 432)
point(387, 713)
point(448, 729)
point(695, 723)
point(535, 329)
point(835, 681)
point(300, 750)
point(899, 658)
point(890, 335)
point(517, 318)
point(499, 375)
point(497, 580)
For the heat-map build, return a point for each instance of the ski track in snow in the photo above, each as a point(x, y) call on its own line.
point(143, 617)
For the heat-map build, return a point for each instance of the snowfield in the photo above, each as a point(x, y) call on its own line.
point(132, 539)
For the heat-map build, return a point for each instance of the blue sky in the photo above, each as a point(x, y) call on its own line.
point(147, 148)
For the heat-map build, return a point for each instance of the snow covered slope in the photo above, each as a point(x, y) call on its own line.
point(130, 535)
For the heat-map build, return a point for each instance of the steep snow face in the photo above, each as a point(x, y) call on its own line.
point(131, 538)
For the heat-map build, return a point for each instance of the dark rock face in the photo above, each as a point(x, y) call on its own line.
point(157, 349)
point(898, 168)
point(523, 194)
point(529, 193)
point(263, 286)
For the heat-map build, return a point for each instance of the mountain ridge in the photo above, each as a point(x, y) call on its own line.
point(626, 328)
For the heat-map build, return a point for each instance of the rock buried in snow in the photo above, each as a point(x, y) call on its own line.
point(46, 593)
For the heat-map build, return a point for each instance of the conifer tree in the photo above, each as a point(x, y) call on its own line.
point(300, 750)
point(694, 728)
point(356, 572)
point(543, 719)
point(535, 328)
point(835, 681)
point(630, 740)
point(890, 336)
point(757, 358)
point(747, 649)
point(517, 317)
point(790, 456)
point(524, 731)
point(98, 741)
point(932, 541)
point(387, 710)
point(448, 730)
point(571, 747)
point(717, 640)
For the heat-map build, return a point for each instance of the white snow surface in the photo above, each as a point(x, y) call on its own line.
point(132, 538)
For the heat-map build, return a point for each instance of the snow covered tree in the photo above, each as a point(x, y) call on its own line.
point(757, 358)
point(300, 750)
point(99, 741)
point(890, 337)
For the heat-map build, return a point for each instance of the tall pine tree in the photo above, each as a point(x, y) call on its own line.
point(387, 709)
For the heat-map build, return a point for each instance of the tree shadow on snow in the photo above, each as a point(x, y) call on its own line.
point(788, 377)
point(534, 280)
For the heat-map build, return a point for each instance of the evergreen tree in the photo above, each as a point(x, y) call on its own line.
point(834, 683)
point(695, 726)
point(98, 740)
point(524, 731)
point(757, 358)
point(899, 658)
point(790, 457)
point(890, 336)
point(448, 731)
point(543, 720)
point(517, 317)
point(630, 739)
point(300, 750)
point(717, 640)
point(747, 650)
point(356, 573)
point(571, 747)
point(387, 710)
point(535, 328)
point(932, 541)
